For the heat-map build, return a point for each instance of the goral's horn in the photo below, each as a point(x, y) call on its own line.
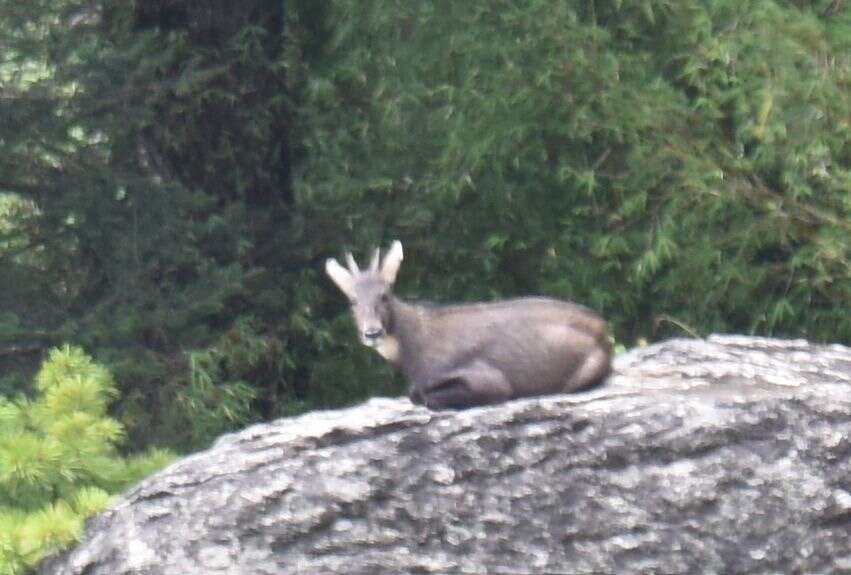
point(376, 259)
point(353, 265)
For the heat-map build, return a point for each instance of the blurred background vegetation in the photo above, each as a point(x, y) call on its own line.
point(173, 173)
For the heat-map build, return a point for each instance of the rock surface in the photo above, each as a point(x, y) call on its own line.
point(726, 455)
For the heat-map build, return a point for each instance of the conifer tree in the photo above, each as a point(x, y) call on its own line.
point(59, 462)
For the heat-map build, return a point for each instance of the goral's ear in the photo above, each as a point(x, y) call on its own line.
point(392, 261)
point(340, 276)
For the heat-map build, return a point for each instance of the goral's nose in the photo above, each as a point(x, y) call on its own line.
point(373, 333)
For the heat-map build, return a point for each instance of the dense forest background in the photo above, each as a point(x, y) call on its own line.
point(173, 173)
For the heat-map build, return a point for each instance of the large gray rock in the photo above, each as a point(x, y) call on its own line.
point(730, 455)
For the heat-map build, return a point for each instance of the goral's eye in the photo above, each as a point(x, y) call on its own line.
point(385, 297)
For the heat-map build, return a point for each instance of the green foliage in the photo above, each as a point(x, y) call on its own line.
point(219, 396)
point(655, 160)
point(173, 174)
point(132, 250)
point(58, 459)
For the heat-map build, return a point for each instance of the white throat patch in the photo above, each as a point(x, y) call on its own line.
point(388, 347)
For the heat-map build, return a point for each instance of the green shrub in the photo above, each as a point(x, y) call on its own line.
point(59, 462)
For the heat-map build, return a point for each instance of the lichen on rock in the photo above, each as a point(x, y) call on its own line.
point(729, 454)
